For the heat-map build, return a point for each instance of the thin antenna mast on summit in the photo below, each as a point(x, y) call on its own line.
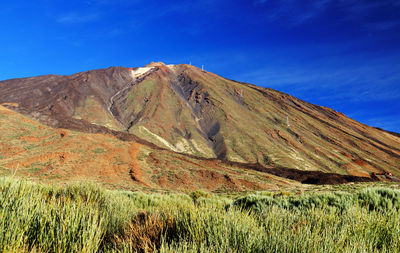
point(202, 67)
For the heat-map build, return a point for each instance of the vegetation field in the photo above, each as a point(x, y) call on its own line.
point(87, 218)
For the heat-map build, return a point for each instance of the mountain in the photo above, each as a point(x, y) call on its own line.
point(187, 110)
point(54, 155)
point(31, 149)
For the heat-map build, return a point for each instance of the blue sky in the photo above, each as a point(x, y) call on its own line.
point(344, 54)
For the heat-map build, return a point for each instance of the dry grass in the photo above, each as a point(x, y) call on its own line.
point(86, 218)
point(146, 231)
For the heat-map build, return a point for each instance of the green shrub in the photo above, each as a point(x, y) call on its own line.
point(29, 223)
point(338, 201)
point(99, 150)
point(256, 203)
point(87, 218)
point(199, 194)
point(379, 198)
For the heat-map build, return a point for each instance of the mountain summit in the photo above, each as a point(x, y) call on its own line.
point(189, 110)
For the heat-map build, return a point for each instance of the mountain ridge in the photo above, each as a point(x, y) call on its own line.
point(188, 110)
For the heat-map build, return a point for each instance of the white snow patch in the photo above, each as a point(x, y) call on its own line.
point(172, 67)
point(140, 71)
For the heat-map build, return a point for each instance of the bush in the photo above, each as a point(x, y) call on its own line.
point(337, 201)
point(199, 194)
point(379, 198)
point(87, 218)
point(29, 223)
point(146, 232)
point(257, 203)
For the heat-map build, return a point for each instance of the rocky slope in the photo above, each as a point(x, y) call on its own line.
point(187, 110)
point(31, 149)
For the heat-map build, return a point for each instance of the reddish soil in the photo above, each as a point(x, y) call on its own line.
point(212, 179)
point(29, 138)
point(135, 171)
point(354, 170)
point(360, 162)
point(10, 104)
point(347, 155)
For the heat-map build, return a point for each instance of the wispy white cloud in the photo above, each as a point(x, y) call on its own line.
point(295, 11)
point(368, 94)
point(298, 12)
point(385, 120)
point(382, 25)
point(332, 80)
point(257, 2)
point(73, 18)
point(138, 13)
